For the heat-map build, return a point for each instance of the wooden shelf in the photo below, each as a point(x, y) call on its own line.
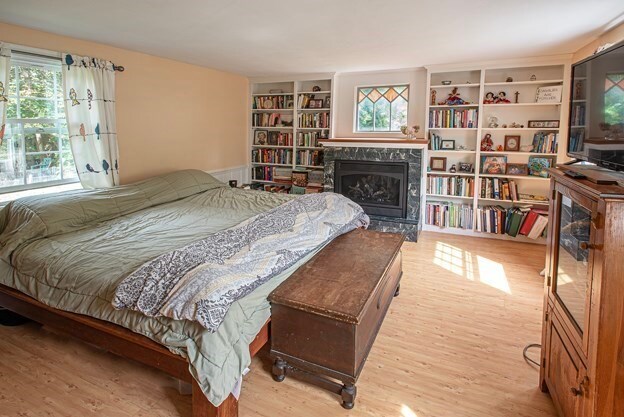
point(518, 177)
point(271, 147)
point(450, 106)
point(525, 82)
point(311, 166)
point(450, 174)
point(452, 128)
point(520, 104)
point(271, 94)
point(269, 164)
point(286, 184)
point(321, 110)
point(498, 129)
point(313, 148)
point(272, 110)
point(455, 85)
point(312, 128)
point(314, 92)
point(451, 151)
point(272, 128)
point(534, 202)
point(459, 197)
point(517, 153)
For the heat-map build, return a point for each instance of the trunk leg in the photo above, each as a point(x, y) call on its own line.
point(204, 408)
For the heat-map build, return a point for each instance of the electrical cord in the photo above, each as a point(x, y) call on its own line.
point(526, 357)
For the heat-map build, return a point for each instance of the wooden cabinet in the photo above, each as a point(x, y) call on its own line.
point(583, 329)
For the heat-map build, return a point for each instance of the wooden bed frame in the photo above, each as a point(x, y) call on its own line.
point(125, 343)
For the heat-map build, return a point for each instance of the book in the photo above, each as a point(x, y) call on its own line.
point(538, 227)
point(528, 223)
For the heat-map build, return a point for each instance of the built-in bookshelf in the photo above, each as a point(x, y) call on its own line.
point(288, 120)
point(479, 195)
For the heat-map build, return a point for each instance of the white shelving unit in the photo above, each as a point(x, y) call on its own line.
point(294, 94)
point(473, 82)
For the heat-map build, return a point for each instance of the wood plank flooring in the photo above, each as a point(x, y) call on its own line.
point(451, 345)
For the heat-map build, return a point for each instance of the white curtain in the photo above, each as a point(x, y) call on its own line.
point(89, 88)
point(5, 71)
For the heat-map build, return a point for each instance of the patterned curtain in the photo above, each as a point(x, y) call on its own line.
point(89, 88)
point(5, 71)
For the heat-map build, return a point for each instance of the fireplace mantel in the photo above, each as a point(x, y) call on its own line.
point(418, 143)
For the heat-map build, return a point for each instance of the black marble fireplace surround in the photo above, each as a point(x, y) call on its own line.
point(404, 220)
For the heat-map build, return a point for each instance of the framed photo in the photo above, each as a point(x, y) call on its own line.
point(320, 103)
point(261, 137)
point(437, 164)
point(465, 167)
point(327, 102)
point(552, 124)
point(447, 144)
point(517, 169)
point(539, 164)
point(493, 164)
point(549, 94)
point(512, 143)
point(312, 104)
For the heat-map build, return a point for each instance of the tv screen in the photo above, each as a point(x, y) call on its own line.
point(596, 126)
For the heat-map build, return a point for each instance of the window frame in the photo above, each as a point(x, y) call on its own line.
point(22, 59)
point(356, 105)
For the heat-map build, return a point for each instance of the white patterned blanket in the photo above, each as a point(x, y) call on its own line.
point(200, 281)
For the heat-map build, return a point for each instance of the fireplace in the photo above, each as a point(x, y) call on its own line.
point(379, 187)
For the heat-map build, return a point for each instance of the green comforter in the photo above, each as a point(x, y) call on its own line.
point(71, 250)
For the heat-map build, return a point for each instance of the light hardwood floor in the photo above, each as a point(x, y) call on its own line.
point(451, 345)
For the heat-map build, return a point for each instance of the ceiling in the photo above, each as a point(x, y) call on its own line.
point(273, 37)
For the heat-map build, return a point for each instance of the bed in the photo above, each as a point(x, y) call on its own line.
point(63, 256)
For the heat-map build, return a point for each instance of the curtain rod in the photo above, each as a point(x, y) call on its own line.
point(118, 68)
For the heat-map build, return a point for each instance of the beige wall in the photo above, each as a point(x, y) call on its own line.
point(170, 115)
point(615, 35)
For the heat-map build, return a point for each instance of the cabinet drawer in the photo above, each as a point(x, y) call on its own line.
point(565, 373)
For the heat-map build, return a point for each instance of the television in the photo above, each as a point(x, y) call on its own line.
point(596, 124)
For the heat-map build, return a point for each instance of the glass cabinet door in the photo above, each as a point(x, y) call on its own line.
point(572, 269)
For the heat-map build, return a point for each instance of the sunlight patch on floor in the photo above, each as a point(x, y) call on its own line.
point(407, 412)
point(493, 274)
point(450, 258)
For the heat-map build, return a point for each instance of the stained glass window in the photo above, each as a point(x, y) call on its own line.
point(614, 98)
point(382, 109)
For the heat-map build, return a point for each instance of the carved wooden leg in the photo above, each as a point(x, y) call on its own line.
point(398, 290)
point(348, 394)
point(204, 408)
point(279, 370)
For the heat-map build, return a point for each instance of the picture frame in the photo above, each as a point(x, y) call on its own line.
point(447, 144)
point(319, 103)
point(517, 169)
point(261, 137)
point(538, 165)
point(312, 104)
point(328, 102)
point(437, 163)
point(549, 94)
point(512, 143)
point(493, 164)
point(552, 124)
point(465, 167)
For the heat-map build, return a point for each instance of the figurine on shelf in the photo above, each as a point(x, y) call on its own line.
point(492, 122)
point(502, 98)
point(410, 132)
point(462, 148)
point(577, 90)
point(454, 99)
point(517, 93)
point(516, 125)
point(533, 77)
point(487, 143)
point(504, 126)
point(453, 169)
point(489, 98)
point(433, 97)
point(509, 80)
point(499, 148)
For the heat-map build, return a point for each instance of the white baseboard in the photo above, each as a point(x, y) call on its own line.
point(239, 173)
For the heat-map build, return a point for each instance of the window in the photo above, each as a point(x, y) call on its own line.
point(382, 109)
point(614, 98)
point(35, 151)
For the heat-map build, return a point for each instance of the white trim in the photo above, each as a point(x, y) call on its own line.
point(241, 173)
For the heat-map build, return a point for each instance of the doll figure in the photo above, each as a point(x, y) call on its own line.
point(489, 98)
point(502, 98)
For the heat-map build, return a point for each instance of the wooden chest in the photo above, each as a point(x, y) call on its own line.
point(325, 317)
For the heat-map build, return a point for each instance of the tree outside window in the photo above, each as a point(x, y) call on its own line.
point(614, 98)
point(382, 109)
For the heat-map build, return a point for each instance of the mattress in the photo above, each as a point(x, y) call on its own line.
point(71, 250)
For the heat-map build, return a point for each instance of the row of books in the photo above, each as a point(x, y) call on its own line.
point(435, 142)
point(271, 102)
point(449, 215)
point(512, 221)
point(310, 139)
point(578, 115)
point(577, 137)
point(451, 118)
point(304, 101)
point(271, 188)
point(314, 158)
point(270, 119)
point(272, 156)
point(279, 139)
point(545, 142)
point(499, 189)
point(315, 120)
point(456, 186)
point(276, 174)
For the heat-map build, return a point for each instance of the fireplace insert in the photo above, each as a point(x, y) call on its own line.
point(379, 187)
